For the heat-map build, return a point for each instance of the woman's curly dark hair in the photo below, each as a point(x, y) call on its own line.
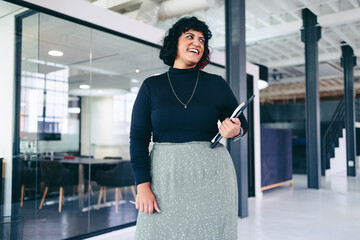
point(168, 51)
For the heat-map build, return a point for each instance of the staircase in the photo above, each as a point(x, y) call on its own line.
point(332, 134)
point(357, 109)
point(338, 162)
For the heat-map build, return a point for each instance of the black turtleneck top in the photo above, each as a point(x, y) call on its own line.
point(158, 112)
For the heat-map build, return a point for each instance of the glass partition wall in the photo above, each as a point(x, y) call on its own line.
point(77, 89)
point(74, 90)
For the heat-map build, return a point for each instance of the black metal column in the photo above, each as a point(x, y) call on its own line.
point(236, 77)
point(348, 61)
point(310, 35)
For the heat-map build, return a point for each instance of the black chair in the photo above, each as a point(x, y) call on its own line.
point(27, 177)
point(55, 174)
point(89, 177)
point(120, 176)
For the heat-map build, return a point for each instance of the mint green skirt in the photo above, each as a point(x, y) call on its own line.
point(196, 190)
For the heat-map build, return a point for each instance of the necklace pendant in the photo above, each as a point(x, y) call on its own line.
point(185, 106)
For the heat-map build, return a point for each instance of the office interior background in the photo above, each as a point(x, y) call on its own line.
point(71, 70)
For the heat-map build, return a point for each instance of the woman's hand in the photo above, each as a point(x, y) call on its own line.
point(145, 199)
point(230, 128)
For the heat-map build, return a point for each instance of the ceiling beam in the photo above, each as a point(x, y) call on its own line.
point(283, 48)
point(322, 47)
point(291, 89)
point(285, 5)
point(339, 18)
point(331, 41)
point(263, 52)
point(116, 5)
point(329, 20)
point(335, 6)
point(301, 60)
point(345, 38)
point(354, 3)
point(290, 44)
point(355, 30)
point(255, 54)
point(262, 21)
point(273, 31)
point(302, 78)
point(312, 7)
point(268, 11)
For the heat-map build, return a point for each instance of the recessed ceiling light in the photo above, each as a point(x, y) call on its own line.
point(262, 84)
point(134, 89)
point(84, 86)
point(74, 110)
point(137, 70)
point(55, 53)
point(134, 80)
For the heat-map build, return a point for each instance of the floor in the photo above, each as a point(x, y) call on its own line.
point(331, 213)
point(48, 223)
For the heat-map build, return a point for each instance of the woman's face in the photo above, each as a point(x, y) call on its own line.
point(190, 49)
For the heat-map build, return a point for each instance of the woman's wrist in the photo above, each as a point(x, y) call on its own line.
point(143, 186)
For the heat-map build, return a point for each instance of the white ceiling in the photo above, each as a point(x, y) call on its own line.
point(96, 58)
point(273, 30)
point(273, 39)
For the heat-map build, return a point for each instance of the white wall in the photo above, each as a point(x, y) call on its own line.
point(99, 137)
point(338, 162)
point(7, 83)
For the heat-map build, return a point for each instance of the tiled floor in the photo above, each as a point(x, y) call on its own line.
point(331, 213)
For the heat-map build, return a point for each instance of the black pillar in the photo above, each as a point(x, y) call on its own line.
point(348, 61)
point(236, 77)
point(310, 35)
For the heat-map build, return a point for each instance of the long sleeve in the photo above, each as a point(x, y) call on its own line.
point(140, 134)
point(229, 104)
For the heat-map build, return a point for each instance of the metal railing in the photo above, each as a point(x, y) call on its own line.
point(332, 134)
point(357, 109)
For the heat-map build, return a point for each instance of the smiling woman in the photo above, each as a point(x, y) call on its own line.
point(184, 181)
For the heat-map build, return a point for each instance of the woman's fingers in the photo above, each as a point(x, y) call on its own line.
point(229, 128)
point(227, 123)
point(151, 209)
point(146, 208)
point(146, 202)
point(156, 206)
point(236, 121)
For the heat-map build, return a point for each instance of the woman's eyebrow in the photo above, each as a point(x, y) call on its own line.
point(194, 35)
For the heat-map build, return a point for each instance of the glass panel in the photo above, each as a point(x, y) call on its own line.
point(50, 127)
point(9, 162)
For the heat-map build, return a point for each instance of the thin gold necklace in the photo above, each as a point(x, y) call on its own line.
point(185, 105)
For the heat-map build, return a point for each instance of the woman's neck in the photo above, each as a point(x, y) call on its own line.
point(183, 66)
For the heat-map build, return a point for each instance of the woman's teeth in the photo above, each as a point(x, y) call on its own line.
point(193, 50)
